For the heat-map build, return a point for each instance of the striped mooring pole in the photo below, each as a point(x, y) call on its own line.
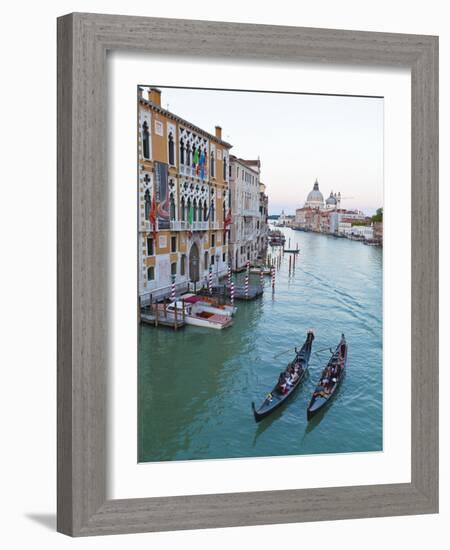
point(229, 274)
point(173, 290)
point(246, 284)
point(210, 280)
point(232, 293)
point(261, 278)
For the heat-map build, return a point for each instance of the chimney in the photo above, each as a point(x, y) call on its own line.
point(218, 132)
point(154, 95)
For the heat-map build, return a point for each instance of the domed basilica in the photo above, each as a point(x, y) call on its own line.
point(315, 199)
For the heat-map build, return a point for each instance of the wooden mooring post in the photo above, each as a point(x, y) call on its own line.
point(176, 316)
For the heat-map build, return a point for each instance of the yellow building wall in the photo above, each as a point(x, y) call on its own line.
point(182, 242)
point(159, 143)
point(162, 249)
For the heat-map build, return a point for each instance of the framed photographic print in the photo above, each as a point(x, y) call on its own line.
point(247, 274)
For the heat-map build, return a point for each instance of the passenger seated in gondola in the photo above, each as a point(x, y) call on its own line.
point(282, 382)
point(294, 376)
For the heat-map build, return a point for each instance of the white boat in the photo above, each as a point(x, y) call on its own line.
point(209, 304)
point(197, 315)
point(265, 270)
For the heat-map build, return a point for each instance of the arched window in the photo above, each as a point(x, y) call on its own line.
point(205, 211)
point(183, 210)
point(212, 164)
point(200, 211)
point(183, 265)
point(224, 213)
point(188, 208)
point(181, 152)
point(212, 212)
point(171, 150)
point(193, 156)
point(194, 214)
point(172, 208)
point(188, 155)
point(148, 203)
point(145, 140)
point(224, 167)
point(151, 273)
point(206, 261)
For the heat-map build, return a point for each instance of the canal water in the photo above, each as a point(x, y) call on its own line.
point(196, 385)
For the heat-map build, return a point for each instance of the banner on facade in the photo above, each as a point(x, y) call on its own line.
point(162, 194)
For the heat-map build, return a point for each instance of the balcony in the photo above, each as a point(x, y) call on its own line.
point(178, 225)
point(146, 226)
point(187, 170)
point(200, 226)
point(214, 225)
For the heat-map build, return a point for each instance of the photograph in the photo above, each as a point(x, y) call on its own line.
point(260, 273)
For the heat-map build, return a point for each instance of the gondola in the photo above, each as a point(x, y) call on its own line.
point(330, 379)
point(277, 396)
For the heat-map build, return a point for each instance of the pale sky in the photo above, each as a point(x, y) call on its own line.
point(299, 138)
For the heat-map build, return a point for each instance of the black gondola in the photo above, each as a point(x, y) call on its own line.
point(330, 379)
point(282, 391)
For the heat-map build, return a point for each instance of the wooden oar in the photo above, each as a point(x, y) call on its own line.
point(283, 352)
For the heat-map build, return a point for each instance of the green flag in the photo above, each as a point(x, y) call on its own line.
point(190, 215)
point(196, 157)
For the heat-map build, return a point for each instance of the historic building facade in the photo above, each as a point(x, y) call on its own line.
point(245, 235)
point(262, 240)
point(328, 216)
point(184, 200)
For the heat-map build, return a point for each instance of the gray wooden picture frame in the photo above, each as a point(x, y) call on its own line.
point(83, 42)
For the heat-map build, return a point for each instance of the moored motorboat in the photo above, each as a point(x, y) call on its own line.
point(209, 303)
point(288, 382)
point(265, 270)
point(330, 379)
point(200, 316)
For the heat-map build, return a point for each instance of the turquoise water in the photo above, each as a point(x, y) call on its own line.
point(196, 385)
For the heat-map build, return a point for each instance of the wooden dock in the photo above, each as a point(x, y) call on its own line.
point(158, 315)
point(148, 319)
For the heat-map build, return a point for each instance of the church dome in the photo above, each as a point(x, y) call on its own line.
point(315, 197)
point(331, 201)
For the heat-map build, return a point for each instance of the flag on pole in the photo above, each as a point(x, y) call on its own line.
point(202, 165)
point(190, 220)
point(152, 215)
point(208, 213)
point(196, 156)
